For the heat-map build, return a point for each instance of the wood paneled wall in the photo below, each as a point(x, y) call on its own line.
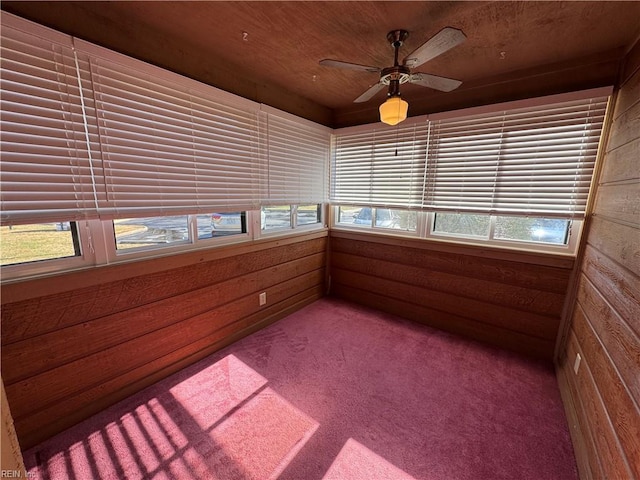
point(74, 344)
point(509, 299)
point(602, 399)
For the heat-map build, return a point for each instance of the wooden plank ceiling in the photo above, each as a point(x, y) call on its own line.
point(269, 51)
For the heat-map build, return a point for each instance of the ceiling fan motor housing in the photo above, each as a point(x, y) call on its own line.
point(399, 73)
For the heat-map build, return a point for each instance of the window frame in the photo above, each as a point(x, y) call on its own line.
point(425, 231)
point(97, 243)
point(293, 228)
point(191, 243)
point(85, 259)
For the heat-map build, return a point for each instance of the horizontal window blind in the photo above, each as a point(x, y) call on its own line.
point(297, 160)
point(170, 148)
point(46, 172)
point(528, 161)
point(89, 133)
point(380, 165)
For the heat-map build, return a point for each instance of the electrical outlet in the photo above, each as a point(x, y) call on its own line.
point(576, 364)
point(263, 298)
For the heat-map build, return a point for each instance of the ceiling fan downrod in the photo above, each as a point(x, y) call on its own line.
point(398, 74)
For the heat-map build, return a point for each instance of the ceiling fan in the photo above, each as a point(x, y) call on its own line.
point(394, 110)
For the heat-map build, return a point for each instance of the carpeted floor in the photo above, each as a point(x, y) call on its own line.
point(333, 392)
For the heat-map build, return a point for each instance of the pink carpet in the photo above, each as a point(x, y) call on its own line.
point(334, 392)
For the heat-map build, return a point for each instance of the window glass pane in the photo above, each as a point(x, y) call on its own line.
point(364, 216)
point(150, 231)
point(276, 217)
point(308, 214)
point(463, 224)
point(222, 224)
point(396, 219)
point(39, 241)
point(544, 230)
point(346, 214)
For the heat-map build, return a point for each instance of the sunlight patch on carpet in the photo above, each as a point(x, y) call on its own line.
point(220, 423)
point(264, 435)
point(214, 392)
point(357, 462)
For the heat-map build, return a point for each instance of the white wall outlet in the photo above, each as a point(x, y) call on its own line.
point(576, 364)
point(263, 298)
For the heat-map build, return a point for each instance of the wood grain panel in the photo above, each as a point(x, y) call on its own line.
point(617, 241)
point(590, 455)
point(630, 68)
point(499, 300)
point(627, 96)
point(620, 407)
point(499, 316)
point(53, 385)
point(627, 127)
point(619, 286)
point(620, 201)
point(544, 303)
point(581, 439)
point(621, 343)
point(503, 338)
point(622, 164)
point(436, 246)
point(28, 318)
point(605, 322)
point(613, 462)
point(526, 275)
point(55, 418)
point(45, 352)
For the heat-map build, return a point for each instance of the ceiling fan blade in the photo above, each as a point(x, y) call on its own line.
point(433, 81)
point(350, 66)
point(444, 40)
point(370, 93)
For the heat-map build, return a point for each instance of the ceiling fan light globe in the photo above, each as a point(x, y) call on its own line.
point(393, 111)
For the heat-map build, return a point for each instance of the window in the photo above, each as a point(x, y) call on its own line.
point(530, 233)
point(383, 218)
point(511, 174)
point(283, 218)
point(223, 224)
point(159, 232)
point(133, 233)
point(308, 214)
point(462, 224)
point(276, 217)
point(139, 161)
point(37, 242)
point(552, 231)
point(543, 230)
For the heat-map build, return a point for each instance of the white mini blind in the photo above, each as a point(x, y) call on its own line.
point(526, 161)
point(169, 145)
point(46, 173)
point(380, 165)
point(297, 156)
point(89, 133)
